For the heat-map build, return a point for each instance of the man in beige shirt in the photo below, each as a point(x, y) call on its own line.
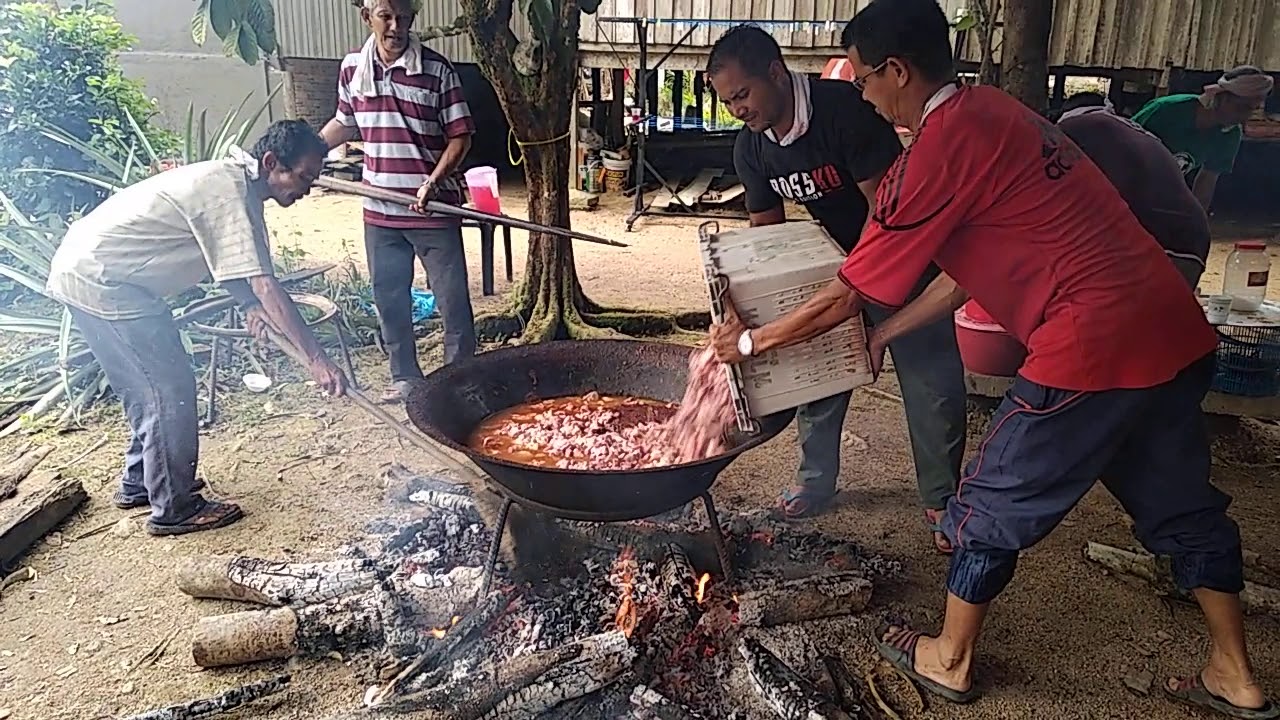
point(161, 237)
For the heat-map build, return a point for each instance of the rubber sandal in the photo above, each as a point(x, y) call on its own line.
point(1191, 691)
point(123, 502)
point(800, 502)
point(212, 516)
point(940, 541)
point(904, 659)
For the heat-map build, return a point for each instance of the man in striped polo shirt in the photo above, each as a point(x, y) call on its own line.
point(405, 100)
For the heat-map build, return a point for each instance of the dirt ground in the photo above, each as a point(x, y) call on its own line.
point(1058, 642)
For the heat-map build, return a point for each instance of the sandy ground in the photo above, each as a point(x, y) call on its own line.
point(1058, 643)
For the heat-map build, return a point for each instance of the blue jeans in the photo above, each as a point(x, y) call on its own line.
point(150, 371)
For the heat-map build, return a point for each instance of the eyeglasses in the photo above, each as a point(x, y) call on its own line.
point(861, 82)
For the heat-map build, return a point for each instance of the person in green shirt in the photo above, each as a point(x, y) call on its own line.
point(1204, 131)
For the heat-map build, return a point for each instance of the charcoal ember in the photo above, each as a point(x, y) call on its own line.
point(440, 541)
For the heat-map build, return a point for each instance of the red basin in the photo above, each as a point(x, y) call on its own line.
point(985, 347)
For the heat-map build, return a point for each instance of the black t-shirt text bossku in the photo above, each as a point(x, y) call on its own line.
point(847, 143)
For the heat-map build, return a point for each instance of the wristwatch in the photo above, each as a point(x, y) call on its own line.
point(746, 347)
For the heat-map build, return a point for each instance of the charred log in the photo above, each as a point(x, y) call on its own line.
point(602, 661)
point(225, 702)
point(468, 629)
point(650, 704)
point(266, 582)
point(789, 695)
point(473, 695)
point(849, 693)
point(808, 598)
point(370, 619)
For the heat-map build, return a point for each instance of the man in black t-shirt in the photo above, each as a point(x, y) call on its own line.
point(818, 143)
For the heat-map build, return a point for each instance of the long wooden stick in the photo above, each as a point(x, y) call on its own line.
point(419, 441)
point(399, 198)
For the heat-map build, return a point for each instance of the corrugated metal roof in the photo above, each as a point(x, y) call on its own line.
point(1104, 34)
point(329, 29)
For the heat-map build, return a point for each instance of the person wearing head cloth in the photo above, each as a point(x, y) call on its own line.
point(1204, 131)
point(1147, 177)
point(1119, 354)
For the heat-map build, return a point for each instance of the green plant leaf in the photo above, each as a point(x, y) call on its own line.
point(31, 282)
point(200, 23)
point(261, 16)
point(188, 140)
point(141, 137)
point(64, 350)
point(224, 15)
point(231, 43)
point(101, 181)
point(248, 45)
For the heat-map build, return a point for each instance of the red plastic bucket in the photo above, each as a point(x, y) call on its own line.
point(985, 347)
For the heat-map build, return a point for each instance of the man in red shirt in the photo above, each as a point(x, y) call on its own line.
point(1120, 355)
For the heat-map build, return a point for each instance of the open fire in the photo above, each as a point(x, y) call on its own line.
point(640, 631)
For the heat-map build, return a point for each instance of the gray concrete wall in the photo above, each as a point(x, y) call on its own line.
point(178, 72)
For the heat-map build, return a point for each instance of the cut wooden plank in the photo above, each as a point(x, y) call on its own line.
point(694, 190)
point(15, 472)
point(44, 501)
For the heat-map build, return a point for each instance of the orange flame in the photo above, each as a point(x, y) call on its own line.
point(702, 587)
point(440, 632)
point(626, 617)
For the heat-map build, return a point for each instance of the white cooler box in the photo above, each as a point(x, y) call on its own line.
point(770, 271)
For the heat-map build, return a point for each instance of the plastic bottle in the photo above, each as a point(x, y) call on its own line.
point(1247, 272)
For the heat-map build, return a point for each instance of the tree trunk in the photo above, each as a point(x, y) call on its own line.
point(988, 11)
point(1025, 53)
point(549, 303)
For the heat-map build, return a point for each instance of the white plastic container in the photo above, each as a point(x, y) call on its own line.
point(771, 271)
point(1247, 273)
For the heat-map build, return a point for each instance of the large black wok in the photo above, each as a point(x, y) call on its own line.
point(453, 400)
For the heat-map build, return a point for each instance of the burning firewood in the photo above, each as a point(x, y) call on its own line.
point(370, 619)
point(225, 702)
point(250, 579)
point(786, 692)
point(649, 704)
point(603, 660)
point(807, 598)
point(474, 694)
point(466, 630)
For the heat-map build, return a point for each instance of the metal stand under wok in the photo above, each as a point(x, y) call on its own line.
point(495, 546)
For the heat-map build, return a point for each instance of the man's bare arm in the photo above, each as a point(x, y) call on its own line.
point(335, 133)
point(940, 299)
point(451, 159)
point(831, 306)
point(773, 216)
point(1204, 186)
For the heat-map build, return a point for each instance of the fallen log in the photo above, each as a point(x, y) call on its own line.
point(650, 704)
point(347, 623)
point(217, 704)
point(16, 471)
point(47, 500)
point(602, 661)
point(472, 695)
point(788, 694)
point(266, 582)
point(812, 597)
point(849, 693)
point(1255, 598)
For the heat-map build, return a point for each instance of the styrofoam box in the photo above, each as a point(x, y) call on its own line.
point(772, 270)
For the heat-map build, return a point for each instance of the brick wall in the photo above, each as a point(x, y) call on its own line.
point(311, 89)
